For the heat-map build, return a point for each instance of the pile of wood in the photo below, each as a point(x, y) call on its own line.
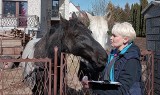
point(11, 47)
point(17, 34)
point(12, 42)
point(13, 33)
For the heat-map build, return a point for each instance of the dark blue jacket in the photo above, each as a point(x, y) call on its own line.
point(128, 73)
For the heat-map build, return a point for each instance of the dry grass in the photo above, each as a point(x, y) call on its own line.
point(11, 82)
point(72, 72)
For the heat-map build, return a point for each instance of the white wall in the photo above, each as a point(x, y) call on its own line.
point(34, 7)
point(67, 9)
point(0, 6)
point(64, 8)
point(72, 8)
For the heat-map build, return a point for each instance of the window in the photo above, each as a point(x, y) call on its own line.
point(9, 8)
point(55, 8)
point(14, 8)
point(23, 8)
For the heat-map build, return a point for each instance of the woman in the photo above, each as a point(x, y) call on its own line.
point(123, 64)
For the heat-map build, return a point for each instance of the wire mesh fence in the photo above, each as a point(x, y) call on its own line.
point(61, 78)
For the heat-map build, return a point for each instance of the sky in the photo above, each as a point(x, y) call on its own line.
point(87, 4)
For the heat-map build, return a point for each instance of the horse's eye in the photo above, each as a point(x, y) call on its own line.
point(109, 32)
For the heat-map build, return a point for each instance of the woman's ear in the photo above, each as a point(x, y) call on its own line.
point(125, 40)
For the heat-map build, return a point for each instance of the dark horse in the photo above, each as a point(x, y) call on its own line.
point(70, 37)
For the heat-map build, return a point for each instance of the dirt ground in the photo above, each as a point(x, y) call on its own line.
point(11, 82)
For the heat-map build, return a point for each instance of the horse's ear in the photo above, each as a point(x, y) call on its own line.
point(108, 15)
point(74, 15)
point(89, 16)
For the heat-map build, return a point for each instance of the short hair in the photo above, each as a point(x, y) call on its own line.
point(124, 29)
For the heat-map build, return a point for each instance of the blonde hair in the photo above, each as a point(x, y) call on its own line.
point(124, 29)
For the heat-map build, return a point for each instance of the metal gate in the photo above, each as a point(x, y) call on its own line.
point(58, 81)
point(12, 80)
point(147, 61)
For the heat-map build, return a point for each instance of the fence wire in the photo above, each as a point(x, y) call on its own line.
point(61, 79)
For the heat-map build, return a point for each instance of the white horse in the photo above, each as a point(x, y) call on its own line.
point(99, 27)
point(28, 52)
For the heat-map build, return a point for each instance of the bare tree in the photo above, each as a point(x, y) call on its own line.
point(99, 7)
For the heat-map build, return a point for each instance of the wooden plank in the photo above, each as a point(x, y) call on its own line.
point(10, 42)
point(11, 50)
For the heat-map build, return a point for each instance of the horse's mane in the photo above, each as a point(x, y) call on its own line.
point(84, 18)
point(44, 45)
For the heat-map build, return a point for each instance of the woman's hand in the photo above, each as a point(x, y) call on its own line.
point(85, 82)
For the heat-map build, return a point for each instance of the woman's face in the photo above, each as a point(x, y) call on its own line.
point(117, 41)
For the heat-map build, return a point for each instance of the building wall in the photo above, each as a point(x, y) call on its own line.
point(152, 17)
point(41, 8)
point(34, 7)
point(44, 17)
point(0, 6)
point(64, 8)
point(72, 8)
point(152, 12)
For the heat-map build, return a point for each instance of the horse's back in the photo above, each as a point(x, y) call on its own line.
point(28, 51)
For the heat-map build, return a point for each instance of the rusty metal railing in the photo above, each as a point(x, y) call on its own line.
point(70, 65)
point(12, 81)
point(64, 83)
point(156, 73)
point(147, 61)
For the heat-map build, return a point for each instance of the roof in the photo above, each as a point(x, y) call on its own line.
point(152, 3)
point(77, 7)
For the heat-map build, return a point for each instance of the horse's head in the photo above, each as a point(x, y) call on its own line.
point(71, 37)
point(99, 27)
point(79, 41)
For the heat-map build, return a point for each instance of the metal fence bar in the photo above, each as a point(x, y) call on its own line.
point(63, 68)
point(152, 73)
point(61, 74)
point(55, 70)
point(148, 61)
point(50, 77)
